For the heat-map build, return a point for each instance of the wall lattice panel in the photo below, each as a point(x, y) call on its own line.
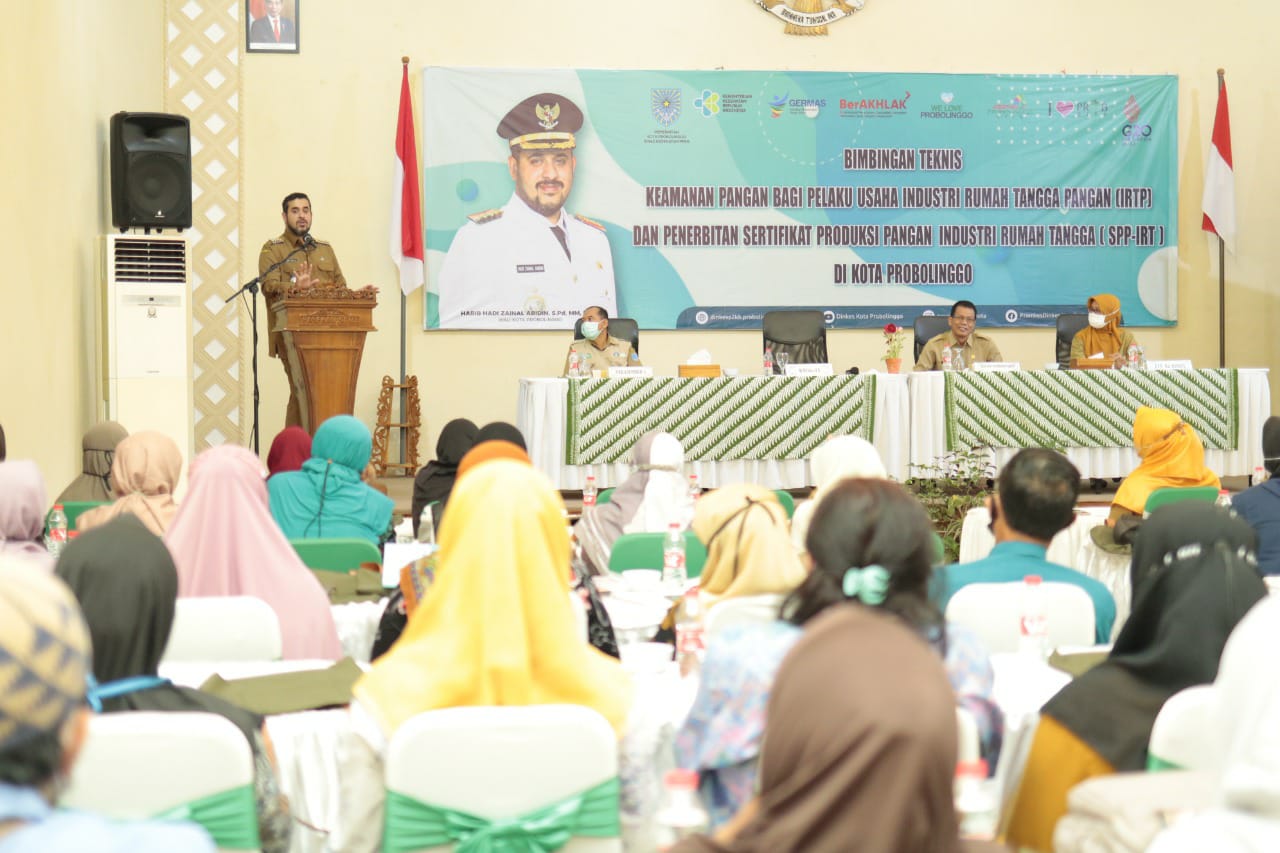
point(203, 56)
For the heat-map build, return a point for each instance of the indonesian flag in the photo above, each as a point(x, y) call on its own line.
point(1219, 179)
point(406, 201)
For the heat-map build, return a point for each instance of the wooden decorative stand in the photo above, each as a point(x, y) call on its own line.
point(408, 466)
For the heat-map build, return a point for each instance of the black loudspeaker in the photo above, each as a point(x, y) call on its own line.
point(150, 171)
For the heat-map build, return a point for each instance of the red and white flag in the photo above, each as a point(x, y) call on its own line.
point(406, 199)
point(1219, 178)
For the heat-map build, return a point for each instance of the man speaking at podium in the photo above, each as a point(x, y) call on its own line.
point(303, 262)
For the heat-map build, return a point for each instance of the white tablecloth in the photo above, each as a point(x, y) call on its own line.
point(929, 431)
point(1072, 548)
point(541, 417)
point(357, 623)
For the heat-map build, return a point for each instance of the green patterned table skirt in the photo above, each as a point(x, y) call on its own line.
point(754, 417)
point(1085, 408)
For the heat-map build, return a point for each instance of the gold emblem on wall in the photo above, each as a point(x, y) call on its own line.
point(810, 17)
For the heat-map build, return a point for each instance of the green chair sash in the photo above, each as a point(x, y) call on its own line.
point(230, 817)
point(1156, 764)
point(414, 825)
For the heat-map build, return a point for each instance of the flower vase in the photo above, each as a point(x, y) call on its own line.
point(893, 365)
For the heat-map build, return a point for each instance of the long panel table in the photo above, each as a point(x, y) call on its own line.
point(543, 417)
point(1114, 392)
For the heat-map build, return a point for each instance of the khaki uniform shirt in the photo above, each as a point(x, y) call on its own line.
point(977, 348)
point(1077, 346)
point(325, 272)
point(617, 353)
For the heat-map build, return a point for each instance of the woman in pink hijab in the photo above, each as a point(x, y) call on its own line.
point(225, 542)
point(22, 508)
point(144, 474)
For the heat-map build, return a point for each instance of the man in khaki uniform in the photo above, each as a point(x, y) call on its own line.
point(967, 346)
point(597, 350)
point(302, 262)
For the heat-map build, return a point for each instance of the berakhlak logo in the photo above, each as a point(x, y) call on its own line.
point(708, 103)
point(665, 105)
point(776, 104)
point(1131, 109)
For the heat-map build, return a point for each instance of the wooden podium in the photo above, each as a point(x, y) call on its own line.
point(323, 332)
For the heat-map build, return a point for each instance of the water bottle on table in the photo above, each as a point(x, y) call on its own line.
point(695, 488)
point(946, 359)
point(1224, 498)
point(768, 361)
point(1033, 626)
point(681, 815)
point(691, 641)
point(589, 492)
point(976, 804)
point(427, 524)
point(673, 572)
point(57, 538)
point(575, 364)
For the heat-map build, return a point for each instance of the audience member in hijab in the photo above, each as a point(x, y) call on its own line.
point(861, 747)
point(835, 459)
point(748, 544)
point(1194, 576)
point(327, 499)
point(42, 729)
point(869, 542)
point(1260, 504)
point(225, 542)
point(648, 501)
point(487, 451)
point(127, 587)
point(23, 503)
point(435, 480)
point(1244, 813)
point(289, 449)
point(1103, 336)
point(468, 644)
point(143, 478)
point(94, 481)
point(502, 431)
point(1172, 456)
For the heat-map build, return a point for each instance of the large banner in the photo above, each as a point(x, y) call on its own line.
point(702, 199)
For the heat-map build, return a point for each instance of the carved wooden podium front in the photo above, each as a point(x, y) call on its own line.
point(323, 332)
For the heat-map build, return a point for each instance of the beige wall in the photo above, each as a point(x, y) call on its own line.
point(67, 66)
point(323, 122)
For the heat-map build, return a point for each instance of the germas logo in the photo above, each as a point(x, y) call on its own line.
point(776, 104)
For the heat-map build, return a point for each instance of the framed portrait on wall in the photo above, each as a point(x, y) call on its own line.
point(271, 26)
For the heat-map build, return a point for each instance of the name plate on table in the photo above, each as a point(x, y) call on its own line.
point(1170, 364)
point(993, 366)
point(809, 370)
point(630, 372)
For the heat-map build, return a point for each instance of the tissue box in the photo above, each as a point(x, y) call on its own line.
point(711, 371)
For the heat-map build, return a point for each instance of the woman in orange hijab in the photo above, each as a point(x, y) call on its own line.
point(1172, 456)
point(1103, 336)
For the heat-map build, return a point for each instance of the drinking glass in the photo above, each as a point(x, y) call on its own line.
point(783, 358)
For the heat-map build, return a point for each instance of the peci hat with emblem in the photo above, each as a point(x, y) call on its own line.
point(545, 120)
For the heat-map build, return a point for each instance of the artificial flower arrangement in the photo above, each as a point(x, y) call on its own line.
point(893, 339)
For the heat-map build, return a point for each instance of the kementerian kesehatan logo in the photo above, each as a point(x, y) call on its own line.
point(708, 103)
point(665, 105)
point(809, 17)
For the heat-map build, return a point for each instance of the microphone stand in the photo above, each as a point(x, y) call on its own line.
point(252, 287)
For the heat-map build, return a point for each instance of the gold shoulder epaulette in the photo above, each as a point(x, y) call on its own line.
point(486, 216)
point(585, 221)
point(274, 241)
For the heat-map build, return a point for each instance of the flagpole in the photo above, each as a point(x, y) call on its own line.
point(404, 380)
point(1222, 270)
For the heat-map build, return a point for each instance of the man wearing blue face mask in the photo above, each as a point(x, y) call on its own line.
point(597, 350)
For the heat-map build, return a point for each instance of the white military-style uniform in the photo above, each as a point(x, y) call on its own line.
point(507, 270)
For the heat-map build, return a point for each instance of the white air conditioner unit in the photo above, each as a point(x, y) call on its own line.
point(148, 381)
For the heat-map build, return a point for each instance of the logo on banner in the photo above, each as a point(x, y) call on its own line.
point(1013, 105)
point(1011, 316)
point(874, 107)
point(945, 108)
point(776, 105)
point(1131, 109)
point(665, 105)
point(1132, 133)
point(708, 103)
point(1078, 109)
point(809, 17)
point(701, 318)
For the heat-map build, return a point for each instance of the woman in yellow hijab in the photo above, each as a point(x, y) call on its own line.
point(749, 550)
point(497, 628)
point(1172, 456)
point(1103, 336)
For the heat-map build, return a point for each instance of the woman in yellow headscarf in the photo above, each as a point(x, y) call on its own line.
point(1103, 336)
point(497, 628)
point(1172, 456)
point(749, 550)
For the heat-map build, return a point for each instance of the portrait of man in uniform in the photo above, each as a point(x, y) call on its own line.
point(530, 263)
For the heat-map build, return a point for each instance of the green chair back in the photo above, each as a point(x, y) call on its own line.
point(644, 551)
point(788, 502)
point(73, 510)
point(336, 555)
point(1170, 495)
point(604, 496)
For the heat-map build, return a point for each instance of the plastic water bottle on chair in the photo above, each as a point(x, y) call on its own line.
point(1033, 625)
point(681, 814)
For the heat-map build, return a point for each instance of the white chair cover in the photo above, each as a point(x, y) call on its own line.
point(993, 611)
point(224, 628)
point(1183, 732)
